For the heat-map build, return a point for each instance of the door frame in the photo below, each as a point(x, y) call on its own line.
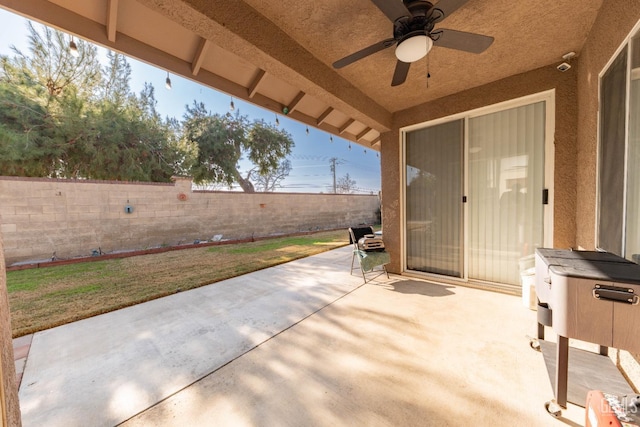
point(549, 98)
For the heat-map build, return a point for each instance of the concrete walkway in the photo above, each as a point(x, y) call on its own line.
point(303, 343)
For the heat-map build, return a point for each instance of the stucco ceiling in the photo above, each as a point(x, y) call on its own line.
point(278, 53)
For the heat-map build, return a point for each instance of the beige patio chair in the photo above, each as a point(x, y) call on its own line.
point(367, 260)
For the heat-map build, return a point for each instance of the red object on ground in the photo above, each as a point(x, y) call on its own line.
point(610, 410)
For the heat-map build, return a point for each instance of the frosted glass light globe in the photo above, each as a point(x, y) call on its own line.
point(414, 48)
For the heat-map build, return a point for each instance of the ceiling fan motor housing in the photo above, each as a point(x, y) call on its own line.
point(421, 21)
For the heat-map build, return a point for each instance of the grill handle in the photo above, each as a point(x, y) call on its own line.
point(615, 294)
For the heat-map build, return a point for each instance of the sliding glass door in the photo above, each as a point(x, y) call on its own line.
point(500, 176)
point(434, 199)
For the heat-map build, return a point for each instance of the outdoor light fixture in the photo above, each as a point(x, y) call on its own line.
point(232, 107)
point(73, 49)
point(414, 47)
point(167, 82)
point(567, 64)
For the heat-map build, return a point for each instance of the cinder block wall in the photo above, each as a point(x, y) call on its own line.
point(40, 217)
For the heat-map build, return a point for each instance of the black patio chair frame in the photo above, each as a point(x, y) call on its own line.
point(355, 234)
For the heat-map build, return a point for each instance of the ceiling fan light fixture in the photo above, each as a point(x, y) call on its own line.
point(413, 48)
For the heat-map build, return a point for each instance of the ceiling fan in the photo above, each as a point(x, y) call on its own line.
point(414, 34)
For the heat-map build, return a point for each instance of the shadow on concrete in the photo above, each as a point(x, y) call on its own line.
point(422, 288)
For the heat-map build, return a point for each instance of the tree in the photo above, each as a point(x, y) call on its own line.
point(345, 185)
point(43, 97)
point(222, 140)
point(271, 180)
point(50, 73)
point(24, 135)
point(115, 81)
point(127, 144)
point(67, 117)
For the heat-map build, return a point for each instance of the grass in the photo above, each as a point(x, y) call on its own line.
point(43, 298)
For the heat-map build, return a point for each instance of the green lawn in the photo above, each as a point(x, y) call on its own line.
point(42, 298)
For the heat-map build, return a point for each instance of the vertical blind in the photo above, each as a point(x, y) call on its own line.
point(612, 152)
point(506, 179)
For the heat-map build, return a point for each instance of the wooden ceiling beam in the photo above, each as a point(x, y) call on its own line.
point(324, 116)
point(344, 127)
point(362, 134)
point(253, 87)
point(293, 104)
point(112, 20)
point(196, 64)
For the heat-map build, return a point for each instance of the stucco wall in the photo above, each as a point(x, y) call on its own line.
point(615, 22)
point(71, 218)
point(529, 83)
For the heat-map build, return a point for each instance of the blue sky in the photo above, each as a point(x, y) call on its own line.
point(310, 156)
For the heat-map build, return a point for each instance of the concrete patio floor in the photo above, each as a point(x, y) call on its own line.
point(303, 343)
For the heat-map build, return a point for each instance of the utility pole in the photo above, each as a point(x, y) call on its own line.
point(334, 161)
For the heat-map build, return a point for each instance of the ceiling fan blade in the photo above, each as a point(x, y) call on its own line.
point(449, 6)
point(460, 40)
point(400, 74)
point(394, 9)
point(364, 53)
